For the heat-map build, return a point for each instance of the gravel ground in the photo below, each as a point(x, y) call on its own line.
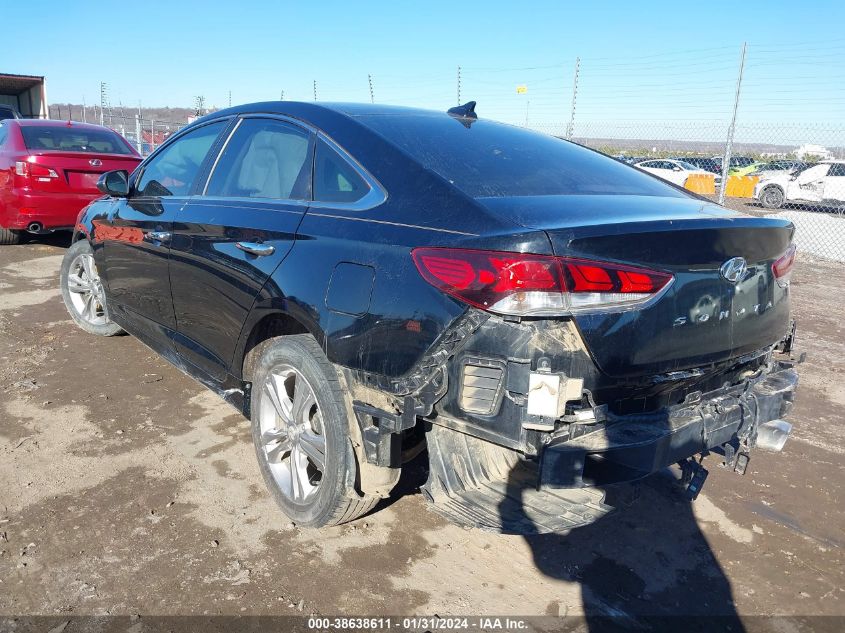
point(127, 488)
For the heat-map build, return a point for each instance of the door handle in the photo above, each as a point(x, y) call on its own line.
point(157, 236)
point(255, 248)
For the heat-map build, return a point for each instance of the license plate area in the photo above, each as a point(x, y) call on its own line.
point(83, 180)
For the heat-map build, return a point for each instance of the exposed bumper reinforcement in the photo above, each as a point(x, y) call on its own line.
point(631, 447)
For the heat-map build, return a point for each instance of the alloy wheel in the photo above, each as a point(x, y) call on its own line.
point(86, 290)
point(292, 439)
point(773, 197)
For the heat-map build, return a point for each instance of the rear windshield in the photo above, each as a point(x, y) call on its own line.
point(487, 159)
point(69, 139)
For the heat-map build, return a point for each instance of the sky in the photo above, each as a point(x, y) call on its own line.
point(653, 63)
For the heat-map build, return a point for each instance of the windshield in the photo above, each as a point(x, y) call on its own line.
point(487, 159)
point(73, 139)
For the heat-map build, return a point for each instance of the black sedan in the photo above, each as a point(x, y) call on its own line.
point(364, 282)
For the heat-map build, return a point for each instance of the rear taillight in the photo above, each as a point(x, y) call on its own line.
point(32, 170)
point(782, 266)
point(537, 285)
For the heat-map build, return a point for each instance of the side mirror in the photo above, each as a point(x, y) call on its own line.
point(114, 183)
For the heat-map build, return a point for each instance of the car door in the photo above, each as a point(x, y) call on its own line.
point(834, 184)
point(808, 186)
point(228, 239)
point(135, 235)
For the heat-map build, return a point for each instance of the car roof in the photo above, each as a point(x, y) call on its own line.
point(303, 109)
point(321, 114)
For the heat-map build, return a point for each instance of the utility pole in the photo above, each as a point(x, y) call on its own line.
point(726, 160)
point(570, 129)
point(230, 98)
point(315, 90)
point(103, 99)
point(84, 120)
point(459, 85)
point(372, 94)
point(282, 96)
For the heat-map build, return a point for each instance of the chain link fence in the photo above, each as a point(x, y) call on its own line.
point(145, 134)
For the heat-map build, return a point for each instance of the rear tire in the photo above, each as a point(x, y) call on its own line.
point(83, 292)
point(9, 237)
point(772, 197)
point(300, 431)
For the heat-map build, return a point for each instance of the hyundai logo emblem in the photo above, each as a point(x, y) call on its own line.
point(734, 269)
point(95, 162)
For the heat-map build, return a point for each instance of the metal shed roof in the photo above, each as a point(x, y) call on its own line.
point(17, 84)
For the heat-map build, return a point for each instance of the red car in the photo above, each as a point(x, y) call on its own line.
point(49, 172)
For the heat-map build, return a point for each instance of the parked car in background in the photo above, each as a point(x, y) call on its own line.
point(778, 167)
point(49, 172)
point(629, 160)
point(739, 166)
point(707, 164)
point(745, 170)
point(8, 112)
point(741, 162)
point(362, 281)
point(675, 171)
point(820, 184)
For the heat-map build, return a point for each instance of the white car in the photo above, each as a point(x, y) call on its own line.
point(823, 184)
point(675, 171)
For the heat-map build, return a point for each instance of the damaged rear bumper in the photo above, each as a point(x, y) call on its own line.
point(626, 448)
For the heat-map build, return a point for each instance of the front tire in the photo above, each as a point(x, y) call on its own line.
point(772, 197)
point(9, 237)
point(83, 292)
point(300, 433)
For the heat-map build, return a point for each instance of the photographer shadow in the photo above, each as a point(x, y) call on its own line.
point(645, 566)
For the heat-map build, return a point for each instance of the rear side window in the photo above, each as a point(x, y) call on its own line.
point(172, 171)
point(487, 159)
point(335, 180)
point(73, 139)
point(265, 158)
point(837, 169)
point(4, 134)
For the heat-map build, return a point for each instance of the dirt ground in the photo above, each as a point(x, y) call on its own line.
point(127, 488)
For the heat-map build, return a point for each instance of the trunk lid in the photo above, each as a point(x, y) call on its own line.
point(703, 318)
point(77, 172)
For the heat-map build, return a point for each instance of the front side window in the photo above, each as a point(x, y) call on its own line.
point(172, 171)
point(335, 180)
point(265, 158)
